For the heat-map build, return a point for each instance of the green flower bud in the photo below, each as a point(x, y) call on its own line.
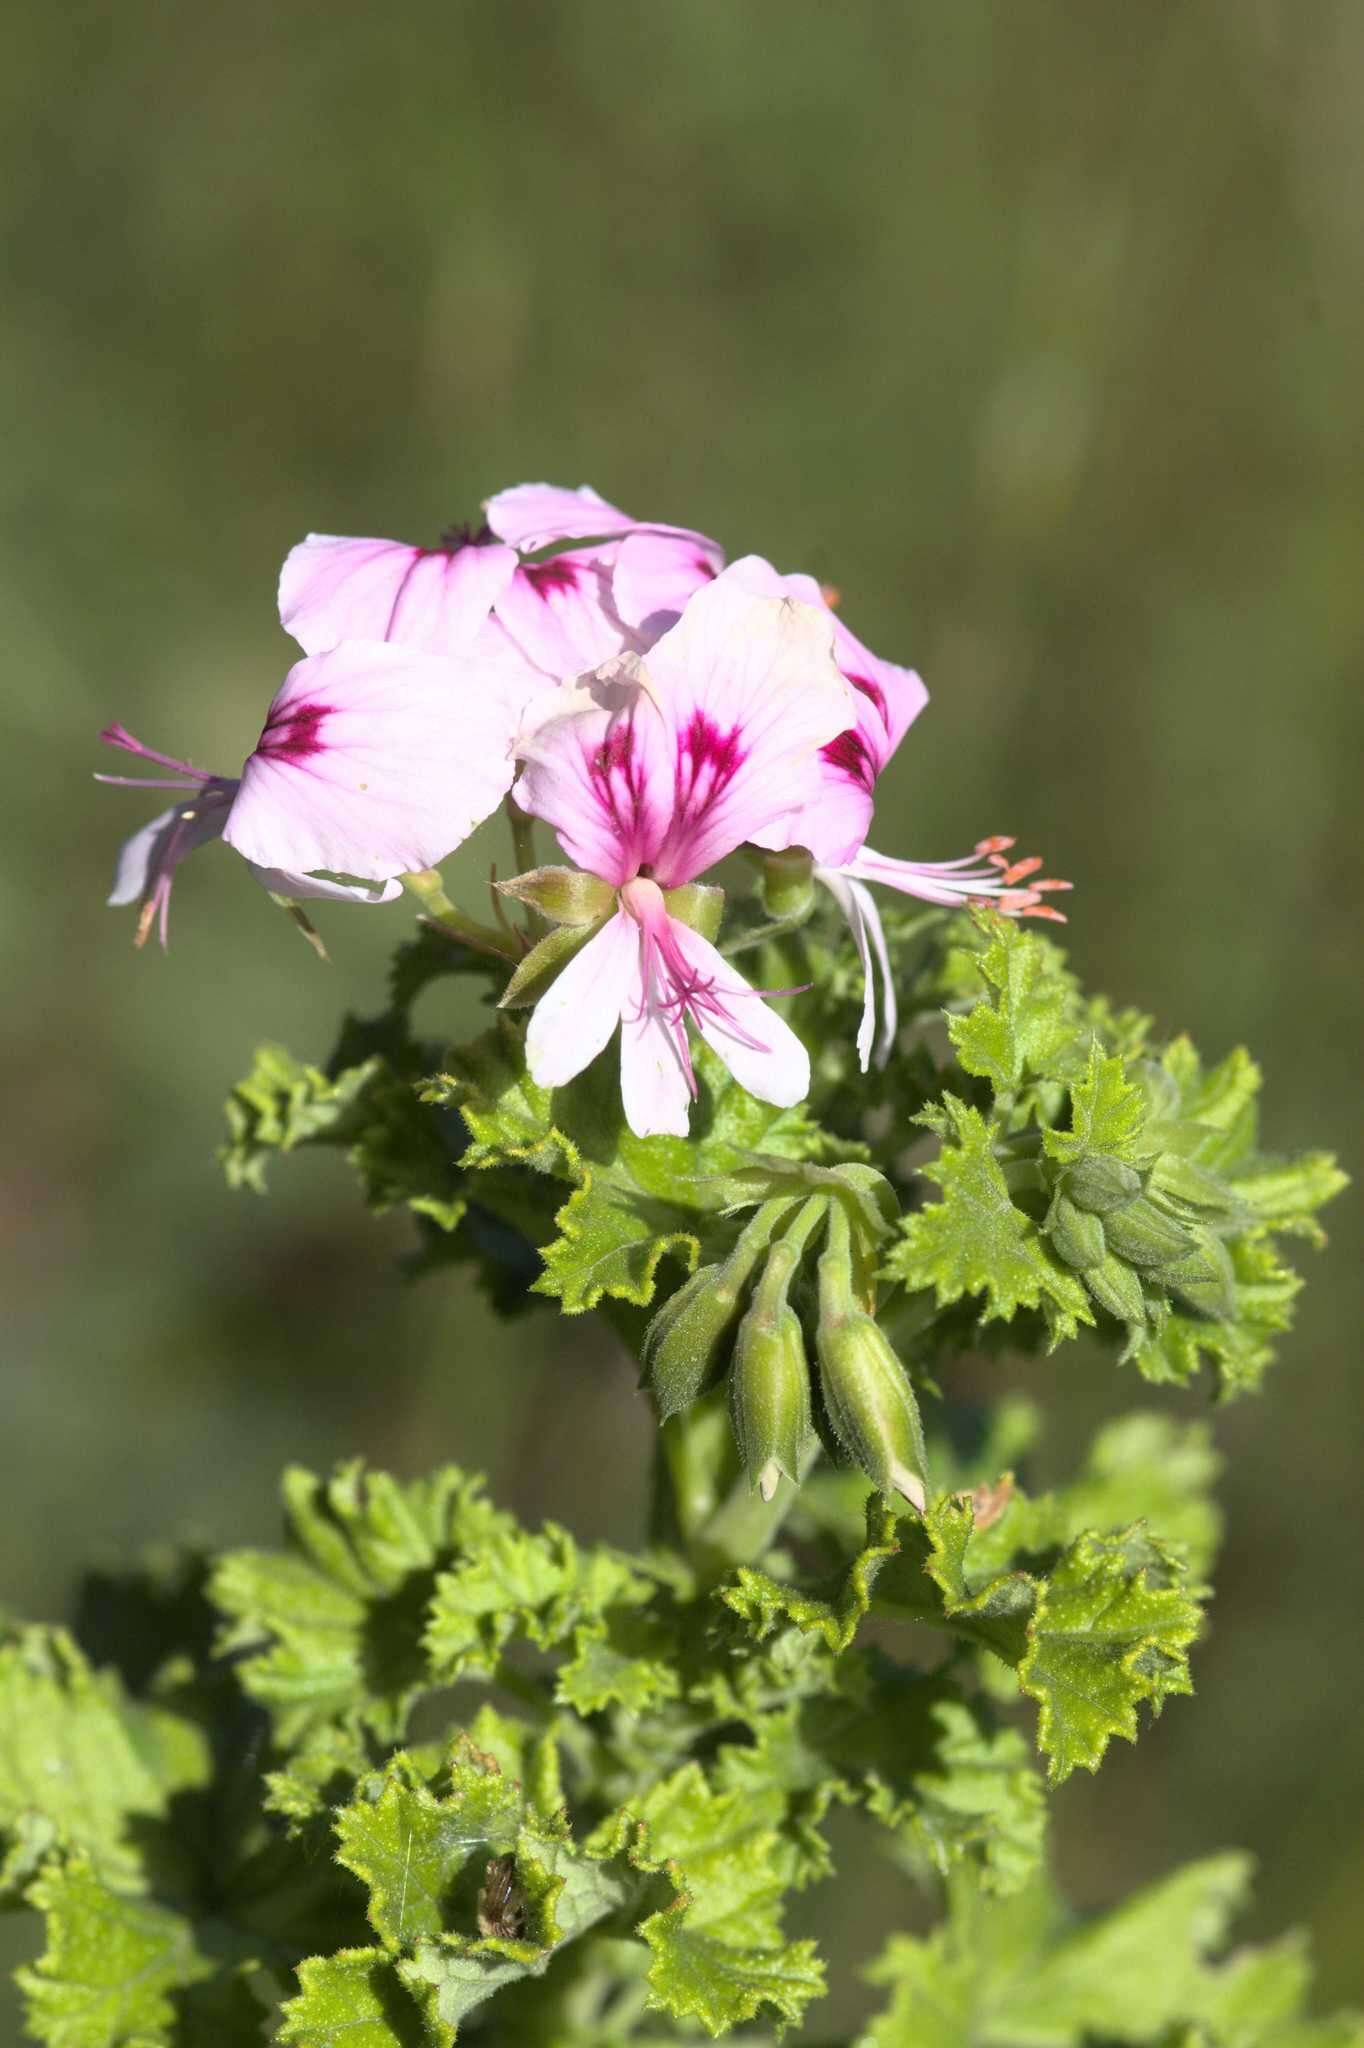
point(1076, 1236)
point(686, 1345)
point(1182, 1181)
point(1144, 1236)
point(1204, 1278)
point(1098, 1183)
point(770, 1385)
point(1116, 1287)
point(687, 1342)
point(867, 1393)
point(788, 887)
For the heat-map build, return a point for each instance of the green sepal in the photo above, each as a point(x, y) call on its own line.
point(543, 963)
point(698, 905)
point(564, 895)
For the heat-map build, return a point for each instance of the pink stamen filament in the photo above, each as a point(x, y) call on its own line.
point(119, 736)
point(949, 882)
point(674, 990)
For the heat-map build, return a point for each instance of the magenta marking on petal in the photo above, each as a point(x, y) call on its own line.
point(704, 567)
point(703, 747)
point(294, 734)
point(875, 695)
point(851, 756)
point(547, 577)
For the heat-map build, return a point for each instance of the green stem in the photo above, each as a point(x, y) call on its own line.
point(698, 1459)
point(426, 885)
point(744, 1524)
point(523, 835)
point(776, 928)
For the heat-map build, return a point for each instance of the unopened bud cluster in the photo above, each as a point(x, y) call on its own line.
point(798, 1287)
point(1146, 1230)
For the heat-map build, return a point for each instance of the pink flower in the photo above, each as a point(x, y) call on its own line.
point(375, 760)
point(473, 594)
point(145, 870)
point(834, 825)
point(655, 769)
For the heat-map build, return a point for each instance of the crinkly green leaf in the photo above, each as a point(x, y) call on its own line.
point(82, 1764)
point(355, 1999)
point(635, 1200)
point(1111, 1631)
point(1022, 1029)
point(1093, 1634)
point(368, 1108)
point(542, 1587)
point(334, 1621)
point(718, 1952)
point(1024, 1970)
point(925, 1761)
point(1107, 1113)
point(113, 1967)
point(975, 1240)
point(1139, 1466)
point(833, 1610)
point(430, 1854)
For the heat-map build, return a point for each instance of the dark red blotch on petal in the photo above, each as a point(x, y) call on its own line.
point(294, 734)
point(852, 757)
point(547, 577)
point(875, 695)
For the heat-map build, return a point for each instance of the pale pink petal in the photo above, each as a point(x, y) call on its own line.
point(376, 760)
point(655, 574)
point(573, 1021)
point(560, 613)
point(309, 887)
point(531, 516)
point(602, 776)
point(333, 589)
point(760, 1049)
point(886, 700)
point(159, 846)
point(748, 692)
point(534, 516)
point(831, 826)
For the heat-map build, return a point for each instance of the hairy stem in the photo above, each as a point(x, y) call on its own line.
point(428, 888)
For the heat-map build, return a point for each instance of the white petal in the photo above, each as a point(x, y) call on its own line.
point(333, 588)
point(845, 895)
point(307, 887)
point(858, 906)
point(653, 1082)
point(375, 760)
point(776, 1068)
point(574, 1019)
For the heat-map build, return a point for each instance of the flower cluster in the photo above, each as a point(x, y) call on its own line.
point(657, 708)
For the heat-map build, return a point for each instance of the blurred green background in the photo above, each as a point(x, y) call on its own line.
point(1037, 329)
